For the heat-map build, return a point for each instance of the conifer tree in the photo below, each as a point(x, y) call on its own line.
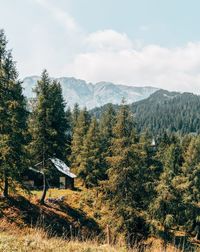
point(75, 114)
point(13, 117)
point(91, 170)
point(79, 132)
point(107, 122)
point(164, 207)
point(125, 174)
point(58, 123)
point(48, 126)
point(150, 166)
point(190, 186)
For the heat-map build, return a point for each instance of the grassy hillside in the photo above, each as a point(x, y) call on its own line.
point(69, 217)
point(38, 241)
point(76, 223)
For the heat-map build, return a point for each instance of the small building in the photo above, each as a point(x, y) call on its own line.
point(63, 179)
point(66, 178)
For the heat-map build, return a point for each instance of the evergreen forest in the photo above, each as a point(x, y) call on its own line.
point(142, 160)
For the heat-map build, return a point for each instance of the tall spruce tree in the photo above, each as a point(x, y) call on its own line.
point(106, 124)
point(79, 131)
point(125, 174)
point(75, 114)
point(150, 166)
point(91, 170)
point(48, 126)
point(13, 117)
point(165, 206)
point(189, 185)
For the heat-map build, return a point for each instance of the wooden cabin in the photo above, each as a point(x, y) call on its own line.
point(63, 179)
point(66, 177)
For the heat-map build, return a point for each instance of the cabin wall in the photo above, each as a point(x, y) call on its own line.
point(61, 181)
point(66, 182)
point(69, 183)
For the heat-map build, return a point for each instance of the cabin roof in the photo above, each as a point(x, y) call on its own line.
point(62, 167)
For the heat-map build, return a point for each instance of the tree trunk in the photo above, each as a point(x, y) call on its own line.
point(5, 189)
point(108, 235)
point(165, 239)
point(44, 189)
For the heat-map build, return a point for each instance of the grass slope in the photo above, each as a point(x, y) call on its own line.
point(77, 223)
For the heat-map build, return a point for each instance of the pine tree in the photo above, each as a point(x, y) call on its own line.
point(58, 123)
point(150, 166)
point(91, 170)
point(13, 117)
point(107, 122)
point(164, 207)
point(125, 174)
point(48, 126)
point(75, 114)
point(189, 186)
point(79, 132)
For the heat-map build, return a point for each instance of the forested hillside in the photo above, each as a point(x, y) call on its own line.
point(165, 111)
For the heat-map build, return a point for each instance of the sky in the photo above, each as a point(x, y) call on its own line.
point(132, 42)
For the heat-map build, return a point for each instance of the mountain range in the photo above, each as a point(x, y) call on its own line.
point(164, 111)
point(92, 95)
point(154, 109)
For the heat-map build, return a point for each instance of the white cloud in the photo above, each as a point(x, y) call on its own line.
point(108, 40)
point(111, 56)
point(63, 17)
point(48, 36)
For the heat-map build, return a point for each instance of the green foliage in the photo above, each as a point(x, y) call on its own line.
point(165, 111)
point(48, 125)
point(90, 169)
point(190, 184)
point(13, 117)
point(81, 125)
point(106, 124)
point(142, 181)
point(165, 205)
point(75, 114)
point(125, 173)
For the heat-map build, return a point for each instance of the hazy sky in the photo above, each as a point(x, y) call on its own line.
point(135, 42)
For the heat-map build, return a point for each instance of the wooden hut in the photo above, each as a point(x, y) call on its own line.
point(64, 178)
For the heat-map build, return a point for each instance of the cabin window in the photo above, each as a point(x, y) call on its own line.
point(62, 182)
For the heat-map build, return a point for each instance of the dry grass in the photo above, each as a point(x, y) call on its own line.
point(82, 207)
point(27, 239)
point(37, 241)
